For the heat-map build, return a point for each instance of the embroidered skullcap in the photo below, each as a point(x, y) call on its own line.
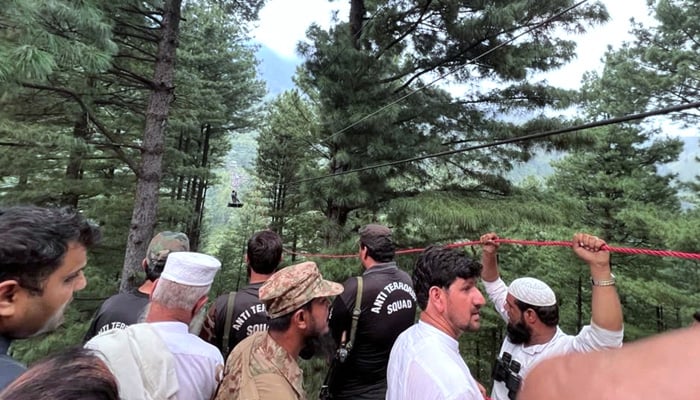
point(191, 269)
point(292, 287)
point(533, 292)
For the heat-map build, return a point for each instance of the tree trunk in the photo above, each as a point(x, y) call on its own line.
point(660, 325)
point(144, 216)
point(195, 228)
point(75, 162)
point(357, 14)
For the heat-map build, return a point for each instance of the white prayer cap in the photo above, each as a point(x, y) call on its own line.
point(533, 292)
point(191, 269)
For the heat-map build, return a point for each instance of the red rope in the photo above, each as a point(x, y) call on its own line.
point(626, 250)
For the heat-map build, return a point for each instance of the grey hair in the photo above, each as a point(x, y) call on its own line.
point(175, 295)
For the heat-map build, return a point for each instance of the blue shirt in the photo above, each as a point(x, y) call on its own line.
point(9, 368)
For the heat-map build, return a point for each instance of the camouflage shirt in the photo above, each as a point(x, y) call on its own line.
point(260, 369)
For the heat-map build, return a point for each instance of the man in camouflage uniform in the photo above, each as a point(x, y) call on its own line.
point(264, 365)
point(124, 309)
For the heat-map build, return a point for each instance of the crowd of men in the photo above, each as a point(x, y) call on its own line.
point(140, 344)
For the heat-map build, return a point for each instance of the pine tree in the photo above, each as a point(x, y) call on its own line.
point(368, 77)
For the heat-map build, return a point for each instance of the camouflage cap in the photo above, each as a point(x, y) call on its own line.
point(293, 286)
point(165, 243)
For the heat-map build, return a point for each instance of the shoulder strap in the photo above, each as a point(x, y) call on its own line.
point(227, 325)
point(355, 313)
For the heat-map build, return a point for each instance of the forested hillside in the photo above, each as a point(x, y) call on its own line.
point(94, 115)
point(686, 166)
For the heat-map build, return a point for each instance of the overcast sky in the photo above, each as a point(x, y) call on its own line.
point(284, 22)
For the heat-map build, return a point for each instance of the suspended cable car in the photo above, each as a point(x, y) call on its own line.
point(235, 203)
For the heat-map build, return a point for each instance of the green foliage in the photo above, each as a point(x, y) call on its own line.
point(76, 77)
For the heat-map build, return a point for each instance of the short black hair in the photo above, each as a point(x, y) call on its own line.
point(34, 241)
point(696, 316)
point(382, 253)
point(264, 252)
point(439, 266)
point(549, 315)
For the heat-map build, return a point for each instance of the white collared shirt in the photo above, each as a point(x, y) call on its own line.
point(591, 337)
point(425, 364)
point(196, 361)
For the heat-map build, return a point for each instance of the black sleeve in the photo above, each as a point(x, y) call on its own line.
point(341, 314)
point(92, 330)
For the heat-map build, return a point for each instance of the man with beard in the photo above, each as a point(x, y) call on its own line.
point(124, 309)
point(160, 359)
point(425, 362)
point(264, 365)
point(530, 308)
point(43, 252)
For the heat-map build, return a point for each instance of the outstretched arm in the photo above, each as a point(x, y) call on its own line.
point(606, 310)
point(489, 257)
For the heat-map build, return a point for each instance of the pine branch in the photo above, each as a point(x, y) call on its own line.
point(103, 129)
point(132, 76)
point(408, 31)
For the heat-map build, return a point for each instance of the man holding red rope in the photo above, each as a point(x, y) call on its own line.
point(530, 308)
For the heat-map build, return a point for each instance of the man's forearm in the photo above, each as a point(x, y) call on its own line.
point(490, 271)
point(606, 310)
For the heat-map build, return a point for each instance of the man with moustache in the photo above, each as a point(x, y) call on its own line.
point(128, 308)
point(264, 365)
point(160, 359)
point(43, 252)
point(530, 309)
point(425, 362)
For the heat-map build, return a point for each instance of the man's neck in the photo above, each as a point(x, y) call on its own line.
point(147, 287)
point(288, 341)
point(159, 313)
point(369, 263)
point(257, 278)
point(542, 336)
point(434, 319)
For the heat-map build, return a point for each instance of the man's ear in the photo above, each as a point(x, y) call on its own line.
point(299, 319)
point(144, 264)
point(436, 297)
point(9, 291)
point(531, 316)
point(155, 283)
point(199, 304)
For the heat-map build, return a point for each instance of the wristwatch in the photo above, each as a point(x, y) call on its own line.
point(605, 282)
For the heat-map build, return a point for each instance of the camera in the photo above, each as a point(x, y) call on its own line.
point(341, 354)
point(507, 371)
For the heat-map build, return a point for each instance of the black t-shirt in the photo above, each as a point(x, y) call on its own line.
point(118, 312)
point(249, 316)
point(388, 308)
